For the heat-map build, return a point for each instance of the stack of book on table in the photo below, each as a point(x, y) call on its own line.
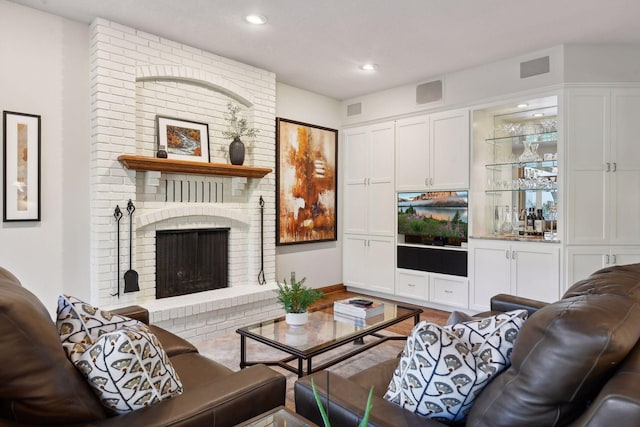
point(358, 307)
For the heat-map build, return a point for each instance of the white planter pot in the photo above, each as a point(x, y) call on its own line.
point(297, 319)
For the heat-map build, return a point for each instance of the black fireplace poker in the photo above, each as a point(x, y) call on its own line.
point(261, 279)
point(117, 214)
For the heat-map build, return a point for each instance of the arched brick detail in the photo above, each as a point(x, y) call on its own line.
point(239, 219)
point(194, 75)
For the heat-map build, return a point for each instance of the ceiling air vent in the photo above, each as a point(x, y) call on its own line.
point(429, 92)
point(534, 67)
point(354, 109)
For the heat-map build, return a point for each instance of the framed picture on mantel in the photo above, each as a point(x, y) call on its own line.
point(21, 166)
point(306, 183)
point(183, 139)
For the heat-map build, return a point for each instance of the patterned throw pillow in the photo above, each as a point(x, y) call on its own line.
point(122, 360)
point(443, 369)
point(80, 325)
point(128, 370)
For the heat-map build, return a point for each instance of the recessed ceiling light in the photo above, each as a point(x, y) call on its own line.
point(523, 105)
point(256, 19)
point(538, 115)
point(369, 67)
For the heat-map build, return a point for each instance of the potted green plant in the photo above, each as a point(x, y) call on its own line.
point(325, 417)
point(296, 299)
point(237, 128)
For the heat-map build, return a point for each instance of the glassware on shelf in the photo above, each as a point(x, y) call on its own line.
point(530, 153)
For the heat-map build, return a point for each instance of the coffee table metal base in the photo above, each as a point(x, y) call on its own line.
point(301, 356)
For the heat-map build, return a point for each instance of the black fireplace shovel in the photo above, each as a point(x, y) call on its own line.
point(131, 276)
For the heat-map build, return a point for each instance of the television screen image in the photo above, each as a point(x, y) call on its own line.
point(433, 218)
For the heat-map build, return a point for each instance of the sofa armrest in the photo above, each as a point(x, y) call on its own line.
point(227, 402)
point(133, 311)
point(619, 399)
point(505, 302)
point(347, 401)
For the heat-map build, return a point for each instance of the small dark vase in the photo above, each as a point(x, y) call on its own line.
point(236, 152)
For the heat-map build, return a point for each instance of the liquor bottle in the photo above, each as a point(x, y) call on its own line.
point(540, 227)
point(537, 223)
point(530, 220)
point(522, 218)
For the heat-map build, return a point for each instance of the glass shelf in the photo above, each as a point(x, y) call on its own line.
point(522, 190)
point(531, 137)
point(546, 165)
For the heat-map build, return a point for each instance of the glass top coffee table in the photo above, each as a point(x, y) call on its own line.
point(322, 333)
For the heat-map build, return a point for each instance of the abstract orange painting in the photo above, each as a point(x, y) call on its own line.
point(306, 178)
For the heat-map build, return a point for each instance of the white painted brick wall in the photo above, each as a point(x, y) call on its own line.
point(134, 77)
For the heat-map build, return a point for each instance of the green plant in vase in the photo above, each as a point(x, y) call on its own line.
point(325, 418)
point(296, 299)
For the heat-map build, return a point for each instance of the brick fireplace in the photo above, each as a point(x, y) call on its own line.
point(136, 76)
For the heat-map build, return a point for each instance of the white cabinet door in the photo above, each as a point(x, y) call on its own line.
point(412, 154)
point(588, 133)
point(625, 166)
point(490, 272)
point(356, 194)
point(449, 155)
point(382, 202)
point(535, 271)
point(603, 159)
point(368, 262)
point(432, 152)
point(380, 264)
point(369, 200)
point(584, 261)
point(530, 270)
point(354, 260)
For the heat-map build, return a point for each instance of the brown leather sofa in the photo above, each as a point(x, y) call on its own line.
point(576, 362)
point(39, 385)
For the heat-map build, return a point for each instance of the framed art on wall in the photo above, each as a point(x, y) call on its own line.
point(306, 183)
point(21, 166)
point(183, 139)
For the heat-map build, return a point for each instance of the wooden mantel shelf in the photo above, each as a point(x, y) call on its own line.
point(190, 168)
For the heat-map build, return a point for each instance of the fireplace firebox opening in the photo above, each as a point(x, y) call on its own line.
point(190, 261)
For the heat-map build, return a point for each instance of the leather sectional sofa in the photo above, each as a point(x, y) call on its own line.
point(39, 385)
point(576, 362)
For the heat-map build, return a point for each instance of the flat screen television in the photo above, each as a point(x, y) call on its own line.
point(433, 218)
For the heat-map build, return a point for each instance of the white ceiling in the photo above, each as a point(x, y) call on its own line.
point(318, 45)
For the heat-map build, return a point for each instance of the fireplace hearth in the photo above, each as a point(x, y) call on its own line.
point(190, 261)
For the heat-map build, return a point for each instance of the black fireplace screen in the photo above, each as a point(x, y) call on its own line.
point(189, 261)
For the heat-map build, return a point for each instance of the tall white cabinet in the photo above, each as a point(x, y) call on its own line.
point(369, 207)
point(603, 179)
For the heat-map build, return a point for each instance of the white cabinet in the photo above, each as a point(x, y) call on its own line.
point(585, 260)
point(530, 270)
point(368, 262)
point(369, 208)
point(432, 152)
point(450, 291)
point(369, 195)
point(603, 163)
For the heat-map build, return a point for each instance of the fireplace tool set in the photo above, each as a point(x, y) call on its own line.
point(261, 279)
point(130, 276)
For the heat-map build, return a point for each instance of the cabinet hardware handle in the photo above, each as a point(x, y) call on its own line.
point(431, 182)
point(448, 292)
point(608, 167)
point(613, 259)
point(426, 182)
point(614, 169)
point(606, 259)
point(411, 285)
point(513, 254)
point(507, 254)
